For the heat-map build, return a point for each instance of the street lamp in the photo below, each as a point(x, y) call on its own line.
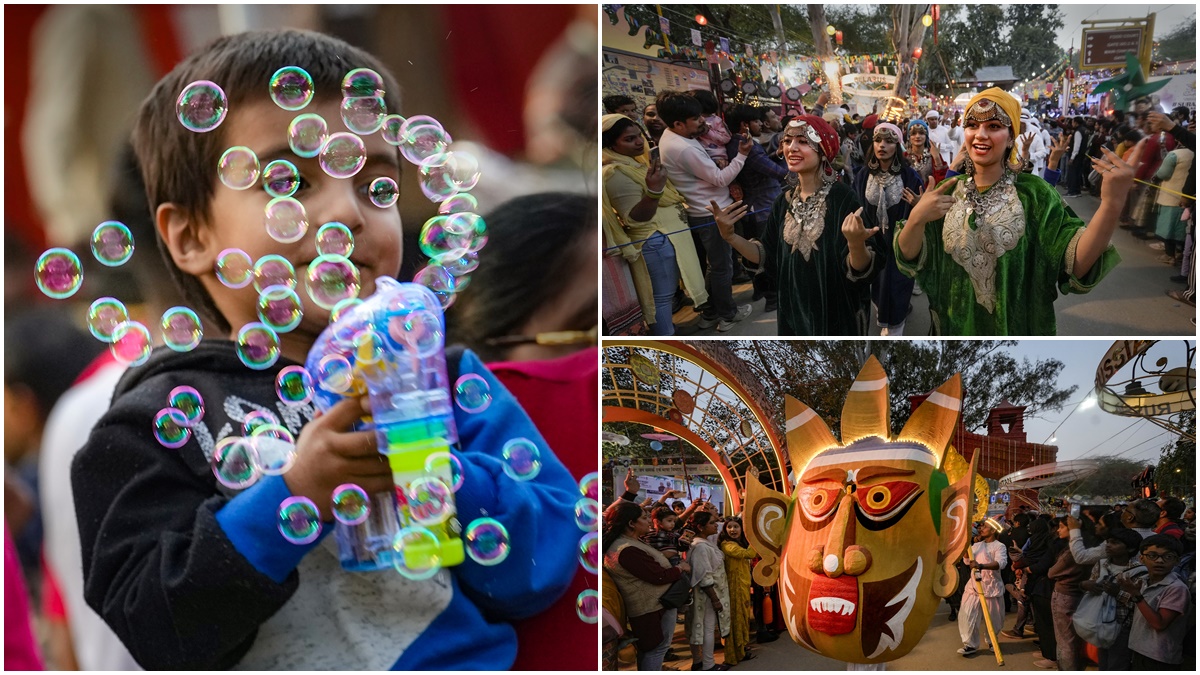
point(701, 19)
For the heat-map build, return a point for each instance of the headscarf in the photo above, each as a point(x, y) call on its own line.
point(892, 128)
point(870, 121)
point(635, 168)
point(1008, 106)
point(921, 122)
point(829, 145)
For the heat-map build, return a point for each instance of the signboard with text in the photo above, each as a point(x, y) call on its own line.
point(1106, 47)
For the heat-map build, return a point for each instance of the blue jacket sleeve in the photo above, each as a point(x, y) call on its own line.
point(539, 514)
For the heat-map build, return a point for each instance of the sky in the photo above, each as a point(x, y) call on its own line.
point(1166, 19)
point(1092, 432)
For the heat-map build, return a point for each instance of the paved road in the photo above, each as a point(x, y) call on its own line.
point(1130, 302)
point(936, 651)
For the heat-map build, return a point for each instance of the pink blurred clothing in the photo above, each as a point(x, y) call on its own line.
point(20, 650)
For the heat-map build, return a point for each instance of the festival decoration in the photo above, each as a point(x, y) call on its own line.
point(865, 546)
point(1130, 85)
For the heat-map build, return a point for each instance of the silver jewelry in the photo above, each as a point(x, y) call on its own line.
point(999, 226)
point(804, 221)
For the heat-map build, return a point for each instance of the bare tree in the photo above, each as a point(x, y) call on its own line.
point(907, 34)
point(818, 22)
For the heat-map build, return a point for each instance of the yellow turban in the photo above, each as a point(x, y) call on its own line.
point(1008, 103)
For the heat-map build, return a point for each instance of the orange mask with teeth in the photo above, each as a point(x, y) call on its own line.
point(865, 547)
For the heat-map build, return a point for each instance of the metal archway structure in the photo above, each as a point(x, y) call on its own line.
point(721, 404)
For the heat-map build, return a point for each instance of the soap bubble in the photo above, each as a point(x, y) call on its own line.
point(112, 243)
point(238, 168)
point(367, 346)
point(587, 606)
point(384, 192)
point(472, 393)
point(285, 220)
point(275, 447)
point(234, 268)
point(464, 223)
point(421, 331)
point(188, 401)
point(171, 429)
point(418, 553)
point(234, 463)
point(422, 137)
point(279, 308)
point(391, 129)
point(362, 82)
point(522, 460)
point(257, 346)
point(256, 419)
point(334, 373)
point(587, 514)
point(459, 203)
point(299, 520)
point(58, 273)
point(350, 504)
point(429, 500)
point(335, 238)
point(201, 106)
point(343, 155)
point(342, 307)
point(307, 134)
point(291, 88)
point(363, 114)
point(281, 178)
point(294, 385)
point(181, 329)
point(444, 175)
point(273, 270)
point(437, 279)
point(437, 239)
point(461, 267)
point(331, 279)
point(486, 541)
point(589, 485)
point(446, 467)
point(131, 343)
point(103, 317)
point(589, 552)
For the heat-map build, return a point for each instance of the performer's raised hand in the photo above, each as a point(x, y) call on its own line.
point(1117, 173)
point(854, 230)
point(728, 216)
point(934, 203)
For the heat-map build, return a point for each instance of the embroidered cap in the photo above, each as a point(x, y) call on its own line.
point(818, 132)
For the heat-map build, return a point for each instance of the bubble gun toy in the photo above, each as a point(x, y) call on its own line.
point(391, 347)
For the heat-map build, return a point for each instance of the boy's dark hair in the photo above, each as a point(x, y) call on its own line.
point(1021, 519)
point(1124, 535)
point(1174, 507)
point(537, 241)
point(678, 503)
point(708, 102)
point(742, 114)
point(609, 138)
point(661, 513)
point(179, 166)
point(615, 101)
point(674, 106)
point(1162, 541)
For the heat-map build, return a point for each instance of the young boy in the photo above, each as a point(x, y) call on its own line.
point(1160, 607)
point(193, 575)
point(1120, 558)
point(663, 536)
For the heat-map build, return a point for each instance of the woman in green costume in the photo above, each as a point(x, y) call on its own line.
point(994, 248)
point(814, 244)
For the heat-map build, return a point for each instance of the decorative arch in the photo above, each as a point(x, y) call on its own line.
point(726, 404)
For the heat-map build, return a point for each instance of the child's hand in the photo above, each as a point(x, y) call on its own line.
point(328, 454)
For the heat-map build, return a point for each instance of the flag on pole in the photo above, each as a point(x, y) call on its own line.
point(665, 25)
point(696, 37)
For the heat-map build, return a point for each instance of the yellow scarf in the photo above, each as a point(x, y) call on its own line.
point(636, 169)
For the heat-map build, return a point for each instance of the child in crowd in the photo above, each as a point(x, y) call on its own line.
point(1160, 607)
point(662, 534)
point(1120, 559)
point(717, 135)
point(192, 574)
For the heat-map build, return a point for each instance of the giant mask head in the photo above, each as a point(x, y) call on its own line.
point(865, 547)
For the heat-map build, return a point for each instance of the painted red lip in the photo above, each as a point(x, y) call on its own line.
point(833, 604)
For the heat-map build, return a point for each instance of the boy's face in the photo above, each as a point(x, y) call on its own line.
point(1159, 561)
point(667, 523)
point(236, 216)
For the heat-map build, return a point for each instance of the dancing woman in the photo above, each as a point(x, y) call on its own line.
point(815, 245)
point(994, 248)
point(887, 187)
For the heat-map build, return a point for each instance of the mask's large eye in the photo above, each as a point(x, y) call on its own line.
point(818, 502)
point(881, 501)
